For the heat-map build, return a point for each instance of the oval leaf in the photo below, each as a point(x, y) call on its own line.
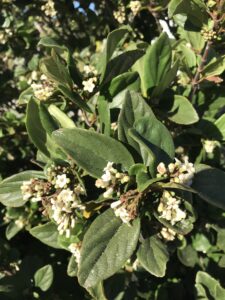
point(47, 234)
point(153, 256)
point(210, 184)
point(92, 150)
point(10, 192)
point(107, 245)
point(43, 277)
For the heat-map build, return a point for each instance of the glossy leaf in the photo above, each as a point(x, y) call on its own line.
point(153, 66)
point(112, 41)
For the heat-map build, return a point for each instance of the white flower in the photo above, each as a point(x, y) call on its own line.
point(161, 168)
point(122, 213)
point(26, 190)
point(49, 8)
point(108, 193)
point(114, 126)
point(135, 6)
point(169, 208)
point(89, 84)
point(66, 196)
point(168, 234)
point(120, 15)
point(61, 181)
point(209, 146)
point(90, 69)
point(44, 89)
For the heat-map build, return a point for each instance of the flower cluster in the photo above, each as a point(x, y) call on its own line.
point(135, 7)
point(169, 208)
point(60, 195)
point(44, 89)
point(121, 211)
point(120, 14)
point(168, 234)
point(63, 207)
point(4, 35)
point(34, 189)
point(179, 172)
point(49, 8)
point(110, 180)
point(209, 34)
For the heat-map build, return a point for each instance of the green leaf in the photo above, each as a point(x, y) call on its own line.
point(92, 150)
point(112, 41)
point(210, 184)
point(43, 278)
point(39, 125)
point(153, 66)
point(61, 117)
point(181, 111)
point(74, 97)
point(47, 234)
point(189, 56)
point(120, 64)
point(220, 124)
point(188, 256)
point(11, 230)
point(25, 96)
point(134, 107)
point(97, 292)
point(121, 82)
point(153, 256)
point(214, 68)
point(156, 137)
point(167, 79)
point(50, 43)
point(55, 70)
point(35, 129)
point(145, 151)
point(207, 286)
point(107, 245)
point(104, 115)
point(195, 10)
point(47, 121)
point(72, 267)
point(201, 243)
point(10, 188)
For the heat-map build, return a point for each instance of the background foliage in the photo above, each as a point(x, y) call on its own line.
point(172, 54)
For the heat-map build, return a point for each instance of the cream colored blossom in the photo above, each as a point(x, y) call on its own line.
point(49, 8)
point(168, 234)
point(169, 208)
point(209, 146)
point(89, 84)
point(61, 181)
point(120, 14)
point(135, 6)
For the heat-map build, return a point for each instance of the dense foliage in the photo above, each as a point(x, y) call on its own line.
point(112, 152)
